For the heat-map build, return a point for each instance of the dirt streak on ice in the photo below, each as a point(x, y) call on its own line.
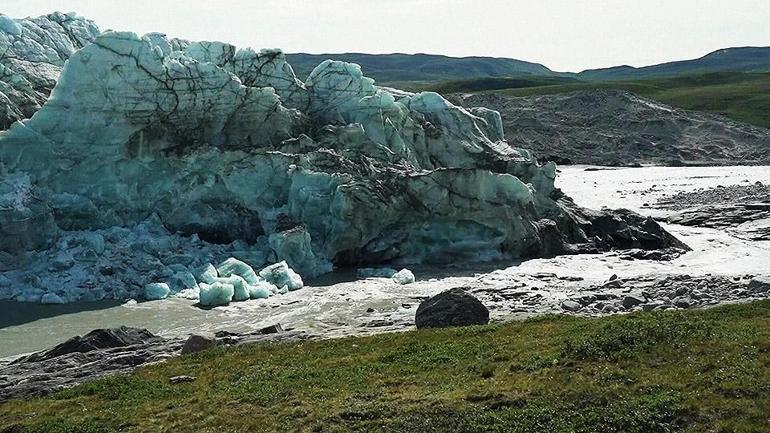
point(339, 305)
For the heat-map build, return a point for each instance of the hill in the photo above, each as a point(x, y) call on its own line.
point(742, 59)
point(388, 68)
point(739, 96)
point(616, 127)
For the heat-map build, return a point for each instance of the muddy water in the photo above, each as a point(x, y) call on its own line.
point(338, 304)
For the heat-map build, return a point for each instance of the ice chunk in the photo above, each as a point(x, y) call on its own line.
point(404, 276)
point(209, 274)
point(240, 287)
point(280, 275)
point(155, 291)
point(182, 280)
point(376, 272)
point(51, 298)
point(216, 293)
point(233, 266)
point(30, 295)
point(262, 290)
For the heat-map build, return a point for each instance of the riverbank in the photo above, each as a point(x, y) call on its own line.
point(699, 370)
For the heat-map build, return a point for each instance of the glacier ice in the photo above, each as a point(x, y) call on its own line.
point(51, 298)
point(375, 272)
point(156, 291)
point(216, 294)
point(154, 157)
point(240, 287)
point(404, 276)
point(261, 290)
point(233, 266)
point(282, 276)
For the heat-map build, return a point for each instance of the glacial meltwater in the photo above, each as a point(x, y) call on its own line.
point(338, 304)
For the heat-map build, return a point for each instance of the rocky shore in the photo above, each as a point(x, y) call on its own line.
point(743, 210)
point(121, 350)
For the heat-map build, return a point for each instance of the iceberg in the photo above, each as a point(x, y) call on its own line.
point(282, 276)
point(216, 294)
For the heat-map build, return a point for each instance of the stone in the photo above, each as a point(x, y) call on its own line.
point(760, 284)
point(181, 379)
point(682, 302)
point(632, 301)
point(197, 343)
point(571, 305)
point(454, 307)
point(272, 329)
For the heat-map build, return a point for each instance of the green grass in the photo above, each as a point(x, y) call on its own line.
point(741, 96)
point(695, 371)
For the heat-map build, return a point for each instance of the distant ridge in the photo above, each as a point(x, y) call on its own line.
point(740, 59)
point(385, 68)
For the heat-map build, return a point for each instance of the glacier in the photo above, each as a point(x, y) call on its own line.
point(153, 158)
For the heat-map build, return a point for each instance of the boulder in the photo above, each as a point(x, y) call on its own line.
point(759, 284)
point(455, 307)
point(632, 301)
point(570, 305)
point(198, 342)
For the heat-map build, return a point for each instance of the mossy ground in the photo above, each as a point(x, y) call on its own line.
point(693, 371)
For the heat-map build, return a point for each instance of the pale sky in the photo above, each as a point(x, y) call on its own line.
point(565, 35)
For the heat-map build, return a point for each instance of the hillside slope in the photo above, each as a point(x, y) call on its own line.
point(387, 68)
point(741, 59)
point(613, 127)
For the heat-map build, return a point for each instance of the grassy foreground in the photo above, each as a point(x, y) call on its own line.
point(741, 96)
point(694, 371)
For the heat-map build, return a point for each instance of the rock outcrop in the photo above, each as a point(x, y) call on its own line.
point(154, 157)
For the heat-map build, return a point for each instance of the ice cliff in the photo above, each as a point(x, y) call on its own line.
point(153, 157)
point(32, 53)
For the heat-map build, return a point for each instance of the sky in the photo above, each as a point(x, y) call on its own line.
point(565, 35)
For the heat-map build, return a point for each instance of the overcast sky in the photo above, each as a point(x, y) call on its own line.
point(565, 35)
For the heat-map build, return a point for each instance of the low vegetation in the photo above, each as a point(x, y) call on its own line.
point(741, 96)
point(693, 371)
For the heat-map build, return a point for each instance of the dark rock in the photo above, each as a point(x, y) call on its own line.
point(759, 285)
point(272, 329)
point(196, 343)
point(98, 339)
point(632, 301)
point(455, 307)
point(682, 302)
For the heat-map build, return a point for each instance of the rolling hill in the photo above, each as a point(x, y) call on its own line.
point(742, 59)
point(388, 68)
